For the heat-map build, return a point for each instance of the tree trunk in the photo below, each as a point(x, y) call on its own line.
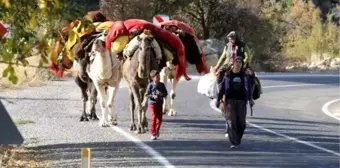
point(206, 32)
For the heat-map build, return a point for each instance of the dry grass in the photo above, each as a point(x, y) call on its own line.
point(18, 157)
point(23, 122)
point(29, 76)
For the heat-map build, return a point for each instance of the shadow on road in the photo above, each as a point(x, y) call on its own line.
point(258, 149)
point(104, 154)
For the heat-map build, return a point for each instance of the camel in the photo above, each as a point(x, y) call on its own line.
point(80, 50)
point(105, 71)
point(169, 72)
point(82, 80)
point(193, 55)
point(142, 54)
point(87, 90)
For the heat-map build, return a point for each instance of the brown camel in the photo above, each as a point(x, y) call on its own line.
point(136, 69)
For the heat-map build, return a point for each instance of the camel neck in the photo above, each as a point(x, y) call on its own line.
point(105, 63)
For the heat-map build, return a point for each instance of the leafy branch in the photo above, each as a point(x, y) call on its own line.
point(33, 25)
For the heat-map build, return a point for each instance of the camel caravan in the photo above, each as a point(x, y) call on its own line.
point(109, 51)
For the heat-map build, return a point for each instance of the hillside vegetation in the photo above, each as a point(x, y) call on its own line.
point(279, 32)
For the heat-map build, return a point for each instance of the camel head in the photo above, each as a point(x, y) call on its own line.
point(99, 45)
point(145, 55)
point(83, 57)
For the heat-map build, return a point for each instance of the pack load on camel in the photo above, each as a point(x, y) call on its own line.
point(192, 45)
point(76, 36)
point(171, 45)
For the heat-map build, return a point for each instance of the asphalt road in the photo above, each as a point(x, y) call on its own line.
point(288, 128)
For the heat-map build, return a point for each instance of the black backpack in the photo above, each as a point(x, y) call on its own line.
point(257, 89)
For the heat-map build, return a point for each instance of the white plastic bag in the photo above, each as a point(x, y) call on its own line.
point(207, 85)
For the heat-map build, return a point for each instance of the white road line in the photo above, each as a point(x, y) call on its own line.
point(212, 105)
point(162, 160)
point(326, 110)
point(294, 139)
point(296, 85)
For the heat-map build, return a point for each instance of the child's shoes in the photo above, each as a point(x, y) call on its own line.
point(153, 137)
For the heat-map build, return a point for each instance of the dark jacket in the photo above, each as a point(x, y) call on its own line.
point(224, 87)
point(241, 49)
point(151, 91)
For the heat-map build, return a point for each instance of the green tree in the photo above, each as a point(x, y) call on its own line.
point(33, 25)
point(142, 9)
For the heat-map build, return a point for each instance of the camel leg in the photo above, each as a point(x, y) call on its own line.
point(172, 111)
point(164, 79)
point(144, 109)
point(132, 111)
point(135, 92)
point(93, 100)
point(83, 86)
point(102, 99)
point(112, 94)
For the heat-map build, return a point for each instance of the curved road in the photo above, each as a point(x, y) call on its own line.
point(288, 128)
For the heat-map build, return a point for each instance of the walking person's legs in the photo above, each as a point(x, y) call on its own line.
point(241, 118)
point(232, 124)
point(226, 114)
point(159, 118)
point(226, 129)
point(152, 109)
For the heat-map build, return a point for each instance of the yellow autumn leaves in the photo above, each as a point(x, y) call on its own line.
point(310, 37)
point(34, 27)
point(42, 4)
point(33, 18)
point(6, 3)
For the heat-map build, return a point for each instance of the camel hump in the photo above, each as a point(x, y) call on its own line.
point(131, 47)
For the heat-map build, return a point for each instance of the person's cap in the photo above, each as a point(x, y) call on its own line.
point(153, 73)
point(238, 58)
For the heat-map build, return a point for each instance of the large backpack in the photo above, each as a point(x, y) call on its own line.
point(257, 89)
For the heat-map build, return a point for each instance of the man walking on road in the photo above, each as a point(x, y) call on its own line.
point(236, 90)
